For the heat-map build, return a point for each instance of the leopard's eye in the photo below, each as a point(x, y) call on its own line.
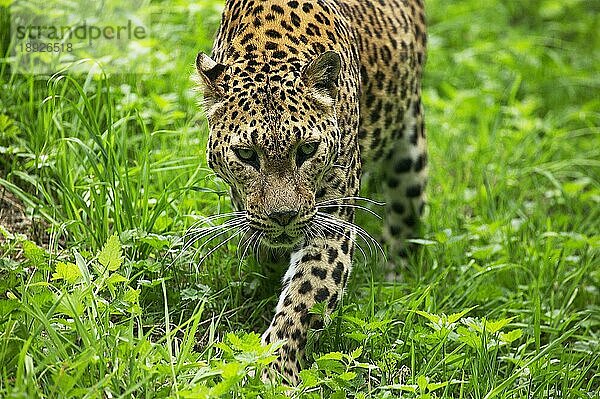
point(305, 151)
point(247, 155)
point(308, 149)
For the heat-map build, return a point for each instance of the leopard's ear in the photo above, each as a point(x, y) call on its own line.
point(321, 76)
point(210, 72)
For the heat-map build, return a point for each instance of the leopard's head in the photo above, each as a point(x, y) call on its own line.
point(274, 134)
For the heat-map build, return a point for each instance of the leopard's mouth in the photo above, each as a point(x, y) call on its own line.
point(283, 240)
point(283, 237)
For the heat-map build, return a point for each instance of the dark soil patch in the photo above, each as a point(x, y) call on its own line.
point(13, 217)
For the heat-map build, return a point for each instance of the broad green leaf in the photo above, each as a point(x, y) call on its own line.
point(473, 323)
point(110, 255)
point(495, 326)
point(245, 342)
point(511, 335)
point(356, 353)
point(332, 356)
point(225, 348)
point(469, 337)
point(429, 316)
point(131, 295)
point(69, 272)
point(454, 317)
point(355, 320)
point(357, 336)
point(347, 376)
point(310, 378)
point(64, 381)
point(377, 325)
point(115, 278)
point(231, 370)
point(485, 252)
point(34, 253)
point(7, 306)
point(338, 395)
point(231, 373)
point(331, 365)
point(155, 241)
point(265, 360)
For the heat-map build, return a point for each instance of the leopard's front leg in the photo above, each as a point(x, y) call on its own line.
point(317, 273)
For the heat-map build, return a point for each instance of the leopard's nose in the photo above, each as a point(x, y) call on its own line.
point(283, 218)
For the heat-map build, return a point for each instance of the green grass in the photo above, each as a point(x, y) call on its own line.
point(501, 301)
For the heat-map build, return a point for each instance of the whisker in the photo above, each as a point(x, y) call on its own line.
point(240, 227)
point(207, 219)
point(220, 229)
point(340, 230)
point(354, 241)
point(364, 234)
point(354, 198)
point(336, 223)
point(193, 234)
point(215, 248)
point(309, 233)
point(314, 232)
point(195, 230)
point(218, 215)
point(243, 239)
point(362, 208)
point(248, 244)
point(223, 229)
point(198, 233)
point(188, 244)
point(256, 246)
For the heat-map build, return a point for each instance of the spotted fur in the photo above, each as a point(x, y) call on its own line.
point(298, 95)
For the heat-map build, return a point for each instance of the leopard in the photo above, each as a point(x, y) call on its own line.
point(303, 98)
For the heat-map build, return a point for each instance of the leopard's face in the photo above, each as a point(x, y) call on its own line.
point(275, 171)
point(272, 140)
